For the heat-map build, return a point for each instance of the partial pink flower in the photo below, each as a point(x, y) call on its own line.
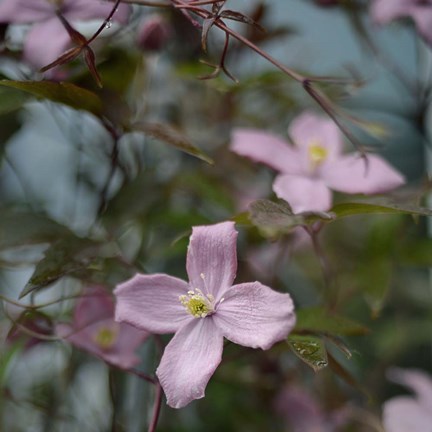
point(315, 164)
point(301, 412)
point(47, 39)
point(153, 33)
point(202, 312)
point(410, 413)
point(95, 331)
point(420, 11)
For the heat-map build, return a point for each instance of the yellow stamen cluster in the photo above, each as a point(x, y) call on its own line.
point(198, 304)
point(317, 154)
point(106, 337)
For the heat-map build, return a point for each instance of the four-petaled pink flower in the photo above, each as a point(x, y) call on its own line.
point(315, 164)
point(95, 331)
point(48, 39)
point(420, 11)
point(408, 413)
point(202, 312)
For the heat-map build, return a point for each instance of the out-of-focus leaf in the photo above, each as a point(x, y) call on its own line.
point(11, 100)
point(416, 253)
point(71, 256)
point(356, 208)
point(64, 93)
point(25, 228)
point(318, 319)
point(170, 135)
point(310, 349)
point(345, 375)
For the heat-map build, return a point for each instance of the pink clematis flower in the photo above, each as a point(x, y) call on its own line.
point(420, 11)
point(48, 39)
point(95, 331)
point(315, 164)
point(202, 312)
point(407, 413)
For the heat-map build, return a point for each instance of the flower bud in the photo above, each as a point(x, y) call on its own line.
point(153, 33)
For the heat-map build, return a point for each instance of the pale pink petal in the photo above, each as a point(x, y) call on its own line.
point(189, 361)
point(384, 11)
point(151, 302)
point(417, 380)
point(267, 148)
point(312, 129)
point(212, 258)
point(45, 42)
point(422, 16)
point(253, 315)
point(352, 174)
point(25, 11)
point(84, 10)
point(405, 414)
point(96, 304)
point(303, 193)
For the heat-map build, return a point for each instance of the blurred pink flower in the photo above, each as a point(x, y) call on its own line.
point(95, 331)
point(409, 413)
point(47, 39)
point(153, 33)
point(302, 413)
point(420, 11)
point(315, 164)
point(202, 312)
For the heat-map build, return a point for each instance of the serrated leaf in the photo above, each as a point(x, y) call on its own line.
point(317, 319)
point(356, 208)
point(24, 228)
point(172, 136)
point(61, 92)
point(310, 349)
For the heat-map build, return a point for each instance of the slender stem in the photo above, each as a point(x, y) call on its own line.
point(111, 383)
point(156, 408)
point(142, 375)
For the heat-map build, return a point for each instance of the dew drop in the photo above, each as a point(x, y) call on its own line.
point(108, 24)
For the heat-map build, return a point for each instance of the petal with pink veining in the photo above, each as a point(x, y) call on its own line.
point(189, 361)
point(352, 174)
point(303, 193)
point(151, 302)
point(212, 258)
point(267, 148)
point(253, 315)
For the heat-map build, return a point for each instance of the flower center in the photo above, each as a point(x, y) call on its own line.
point(198, 304)
point(317, 153)
point(106, 337)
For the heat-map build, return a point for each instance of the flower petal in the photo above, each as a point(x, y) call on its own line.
point(189, 361)
point(151, 302)
point(352, 174)
point(96, 304)
point(254, 315)
point(309, 128)
point(403, 414)
point(84, 10)
point(422, 16)
point(212, 258)
point(45, 42)
point(25, 11)
point(303, 193)
point(261, 146)
point(384, 11)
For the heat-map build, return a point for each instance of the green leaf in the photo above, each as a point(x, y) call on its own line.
point(356, 208)
point(172, 136)
point(319, 320)
point(11, 100)
point(24, 228)
point(64, 93)
point(310, 349)
point(71, 256)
